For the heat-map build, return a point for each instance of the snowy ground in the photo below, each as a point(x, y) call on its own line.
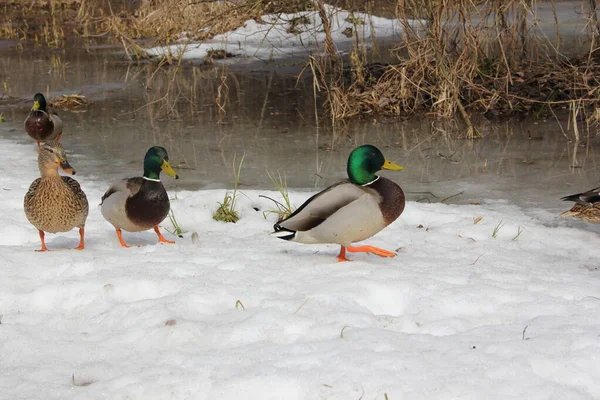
point(278, 36)
point(445, 319)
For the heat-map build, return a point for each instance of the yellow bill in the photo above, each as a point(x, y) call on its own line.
point(36, 105)
point(391, 166)
point(166, 166)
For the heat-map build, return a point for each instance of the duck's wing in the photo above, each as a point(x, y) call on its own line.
point(75, 187)
point(321, 206)
point(129, 185)
point(588, 198)
point(32, 190)
point(58, 124)
point(80, 205)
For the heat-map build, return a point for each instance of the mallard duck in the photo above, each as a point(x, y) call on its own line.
point(56, 203)
point(351, 210)
point(140, 203)
point(586, 207)
point(42, 123)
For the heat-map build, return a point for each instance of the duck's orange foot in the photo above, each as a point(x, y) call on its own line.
point(44, 248)
point(372, 250)
point(81, 234)
point(342, 256)
point(161, 238)
point(120, 236)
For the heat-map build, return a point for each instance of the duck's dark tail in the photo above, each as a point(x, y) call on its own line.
point(573, 197)
point(587, 199)
point(283, 233)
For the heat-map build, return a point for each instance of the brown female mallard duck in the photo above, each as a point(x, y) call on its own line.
point(586, 207)
point(349, 211)
point(56, 203)
point(140, 203)
point(42, 123)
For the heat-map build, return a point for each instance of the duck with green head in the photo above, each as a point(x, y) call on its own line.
point(586, 207)
point(349, 211)
point(140, 203)
point(42, 123)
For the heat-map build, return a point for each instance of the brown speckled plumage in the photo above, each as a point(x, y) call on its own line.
point(55, 203)
point(586, 213)
point(586, 207)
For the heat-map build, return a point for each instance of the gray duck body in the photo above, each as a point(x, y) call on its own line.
point(135, 204)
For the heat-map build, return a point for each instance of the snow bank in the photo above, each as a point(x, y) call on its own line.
point(457, 314)
point(284, 35)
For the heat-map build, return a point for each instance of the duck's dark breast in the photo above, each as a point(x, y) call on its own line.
point(38, 125)
point(392, 199)
point(149, 206)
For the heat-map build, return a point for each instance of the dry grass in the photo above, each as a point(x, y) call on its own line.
point(167, 21)
point(70, 102)
point(42, 21)
point(452, 65)
point(449, 65)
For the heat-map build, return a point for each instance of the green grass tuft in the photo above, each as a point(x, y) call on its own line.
point(519, 231)
point(497, 229)
point(284, 209)
point(226, 211)
point(239, 304)
point(176, 227)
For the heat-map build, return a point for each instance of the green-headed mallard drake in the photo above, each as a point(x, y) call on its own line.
point(140, 203)
point(42, 123)
point(56, 203)
point(351, 210)
point(586, 207)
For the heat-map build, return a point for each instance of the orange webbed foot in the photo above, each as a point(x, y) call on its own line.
point(44, 248)
point(342, 256)
point(161, 238)
point(372, 250)
point(120, 236)
point(81, 235)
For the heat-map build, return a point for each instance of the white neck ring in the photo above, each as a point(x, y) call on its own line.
point(373, 181)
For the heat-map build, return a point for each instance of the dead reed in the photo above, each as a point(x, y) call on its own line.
point(460, 57)
point(456, 58)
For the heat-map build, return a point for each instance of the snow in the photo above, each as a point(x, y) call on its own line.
point(457, 314)
point(272, 38)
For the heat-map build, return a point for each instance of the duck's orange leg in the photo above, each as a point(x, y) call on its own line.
point(372, 250)
point(161, 238)
point(81, 234)
point(58, 137)
point(39, 146)
point(342, 256)
point(44, 248)
point(120, 236)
